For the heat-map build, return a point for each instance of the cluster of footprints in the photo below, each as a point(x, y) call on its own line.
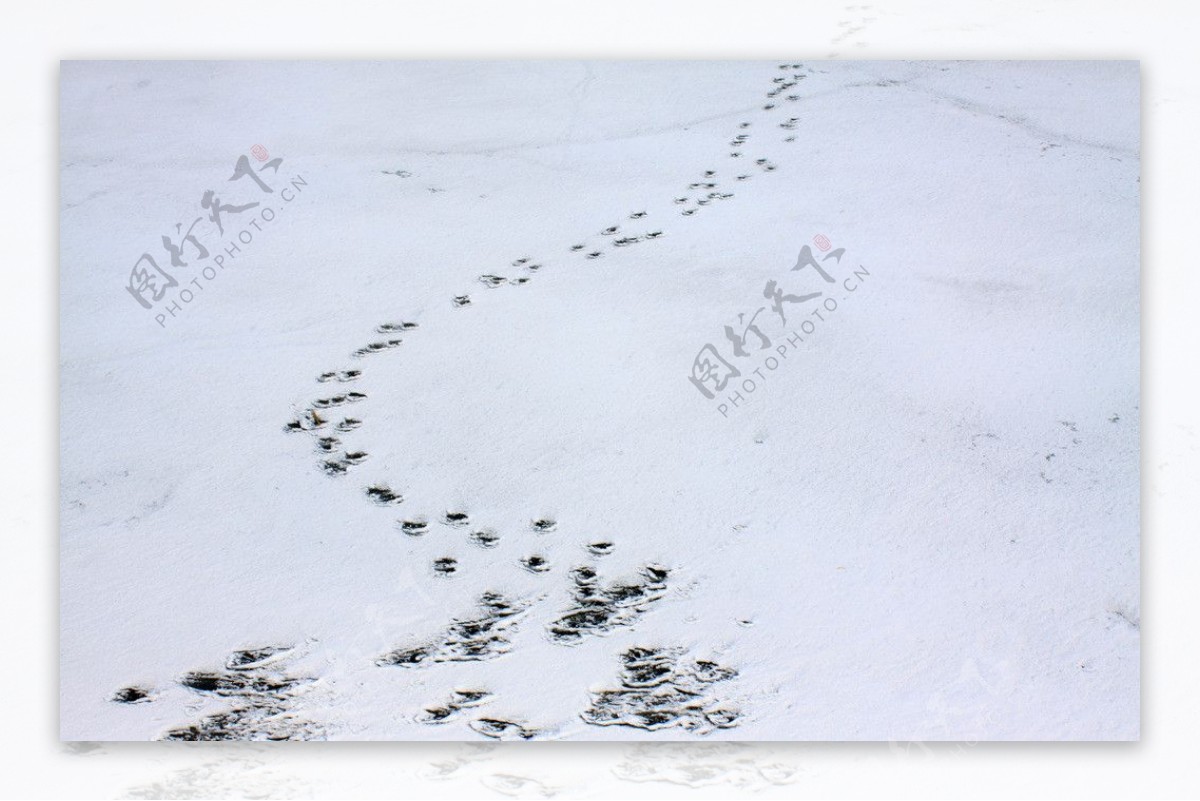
point(658, 687)
point(258, 694)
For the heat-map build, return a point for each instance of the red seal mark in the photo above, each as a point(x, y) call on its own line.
point(259, 152)
point(822, 242)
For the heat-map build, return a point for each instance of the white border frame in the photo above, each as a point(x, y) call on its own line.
point(36, 36)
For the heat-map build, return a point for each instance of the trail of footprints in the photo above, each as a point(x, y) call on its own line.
point(712, 186)
point(658, 687)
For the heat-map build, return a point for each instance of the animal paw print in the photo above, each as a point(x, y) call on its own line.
point(390, 328)
point(326, 403)
point(502, 729)
point(132, 695)
point(459, 701)
point(383, 495)
point(445, 566)
point(415, 527)
point(485, 538)
point(334, 467)
point(377, 347)
point(339, 375)
point(535, 563)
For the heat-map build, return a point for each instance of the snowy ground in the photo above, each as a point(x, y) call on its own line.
point(921, 523)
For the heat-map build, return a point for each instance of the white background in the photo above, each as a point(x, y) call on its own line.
point(36, 37)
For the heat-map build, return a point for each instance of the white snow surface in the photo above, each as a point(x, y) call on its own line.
point(923, 525)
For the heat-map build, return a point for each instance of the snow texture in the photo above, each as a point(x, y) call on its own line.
point(609, 400)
